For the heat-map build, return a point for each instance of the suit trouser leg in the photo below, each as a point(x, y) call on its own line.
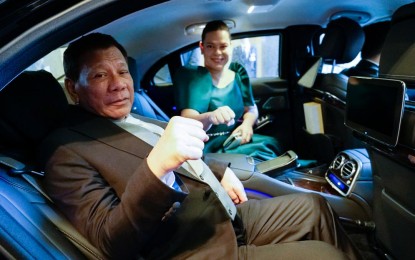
point(292, 218)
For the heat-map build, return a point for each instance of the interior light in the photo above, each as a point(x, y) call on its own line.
point(197, 28)
point(260, 6)
point(251, 9)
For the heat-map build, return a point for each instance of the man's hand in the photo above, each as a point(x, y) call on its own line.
point(234, 187)
point(222, 115)
point(182, 140)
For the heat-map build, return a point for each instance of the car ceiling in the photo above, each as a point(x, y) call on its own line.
point(151, 34)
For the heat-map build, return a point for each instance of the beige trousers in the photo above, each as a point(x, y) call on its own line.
point(297, 226)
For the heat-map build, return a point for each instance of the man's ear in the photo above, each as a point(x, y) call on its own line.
point(201, 47)
point(70, 89)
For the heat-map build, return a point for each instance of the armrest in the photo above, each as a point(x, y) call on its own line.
point(247, 165)
point(278, 165)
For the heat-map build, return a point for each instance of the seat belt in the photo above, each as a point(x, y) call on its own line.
point(64, 226)
point(18, 168)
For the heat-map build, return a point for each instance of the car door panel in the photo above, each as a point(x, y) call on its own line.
point(272, 99)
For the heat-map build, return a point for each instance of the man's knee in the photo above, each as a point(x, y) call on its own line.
point(313, 200)
point(311, 250)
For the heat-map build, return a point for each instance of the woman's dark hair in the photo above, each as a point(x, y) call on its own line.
point(74, 55)
point(212, 26)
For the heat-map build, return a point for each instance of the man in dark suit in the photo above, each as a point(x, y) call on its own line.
point(368, 66)
point(131, 199)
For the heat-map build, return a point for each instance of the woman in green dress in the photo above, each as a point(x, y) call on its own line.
point(220, 96)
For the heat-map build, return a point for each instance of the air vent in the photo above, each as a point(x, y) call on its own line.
point(338, 162)
point(348, 169)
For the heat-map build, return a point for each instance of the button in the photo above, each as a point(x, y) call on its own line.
point(176, 205)
point(171, 211)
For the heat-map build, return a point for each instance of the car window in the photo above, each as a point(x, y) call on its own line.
point(53, 63)
point(259, 55)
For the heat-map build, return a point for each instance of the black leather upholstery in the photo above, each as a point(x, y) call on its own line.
point(333, 84)
point(342, 42)
point(30, 227)
point(394, 175)
point(397, 59)
point(143, 105)
point(30, 106)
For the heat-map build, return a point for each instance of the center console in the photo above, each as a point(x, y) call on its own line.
point(351, 171)
point(346, 182)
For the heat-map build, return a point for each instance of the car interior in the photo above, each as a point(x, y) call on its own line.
point(361, 169)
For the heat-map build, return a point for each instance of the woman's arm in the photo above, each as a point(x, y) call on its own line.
point(246, 129)
point(222, 115)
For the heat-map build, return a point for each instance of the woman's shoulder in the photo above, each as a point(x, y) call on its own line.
point(237, 68)
point(241, 73)
point(188, 75)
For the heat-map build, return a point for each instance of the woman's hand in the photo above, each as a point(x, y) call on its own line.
point(233, 187)
point(222, 115)
point(245, 130)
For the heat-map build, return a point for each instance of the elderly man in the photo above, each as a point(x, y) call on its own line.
point(136, 189)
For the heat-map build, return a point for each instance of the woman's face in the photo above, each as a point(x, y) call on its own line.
point(216, 50)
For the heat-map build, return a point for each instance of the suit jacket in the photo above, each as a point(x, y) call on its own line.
point(97, 174)
point(364, 68)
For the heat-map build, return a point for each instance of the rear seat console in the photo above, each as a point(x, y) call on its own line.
point(351, 171)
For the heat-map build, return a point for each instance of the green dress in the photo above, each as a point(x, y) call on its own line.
point(194, 89)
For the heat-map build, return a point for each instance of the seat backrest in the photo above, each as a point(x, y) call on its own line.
point(394, 174)
point(31, 106)
point(143, 105)
point(342, 42)
point(398, 52)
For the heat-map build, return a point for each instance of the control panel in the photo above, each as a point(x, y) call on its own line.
point(347, 168)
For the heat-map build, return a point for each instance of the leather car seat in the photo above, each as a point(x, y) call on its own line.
point(398, 52)
point(31, 106)
point(342, 42)
point(393, 173)
point(143, 105)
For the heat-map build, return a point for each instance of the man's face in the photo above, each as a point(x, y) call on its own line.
point(216, 49)
point(105, 86)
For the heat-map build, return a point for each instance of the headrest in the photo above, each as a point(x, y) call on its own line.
point(30, 106)
point(398, 53)
point(375, 35)
point(132, 67)
point(342, 42)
